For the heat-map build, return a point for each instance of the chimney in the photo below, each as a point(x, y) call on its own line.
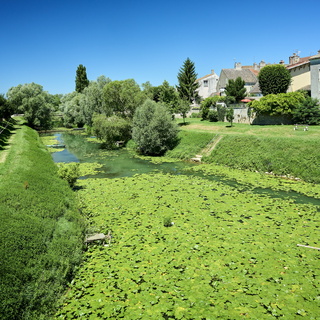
point(294, 59)
point(262, 64)
point(281, 62)
point(212, 71)
point(255, 66)
point(238, 66)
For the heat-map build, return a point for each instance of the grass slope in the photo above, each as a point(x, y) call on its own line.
point(277, 149)
point(40, 230)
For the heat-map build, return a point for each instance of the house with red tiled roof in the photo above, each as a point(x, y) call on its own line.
point(305, 73)
point(299, 69)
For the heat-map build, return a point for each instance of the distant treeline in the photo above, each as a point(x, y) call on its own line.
point(41, 230)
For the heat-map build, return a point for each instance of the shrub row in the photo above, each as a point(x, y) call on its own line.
point(281, 156)
point(41, 230)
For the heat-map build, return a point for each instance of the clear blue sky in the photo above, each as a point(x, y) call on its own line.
point(44, 41)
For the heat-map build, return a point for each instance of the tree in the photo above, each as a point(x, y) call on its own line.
point(121, 98)
point(274, 79)
point(5, 107)
point(72, 109)
point(278, 104)
point(81, 78)
point(34, 103)
point(153, 129)
point(188, 86)
point(307, 112)
point(230, 115)
point(210, 102)
point(111, 129)
point(235, 88)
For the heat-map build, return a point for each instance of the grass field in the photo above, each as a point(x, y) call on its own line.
point(277, 149)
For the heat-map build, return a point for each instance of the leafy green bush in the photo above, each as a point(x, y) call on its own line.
point(69, 172)
point(274, 79)
point(111, 129)
point(278, 104)
point(153, 129)
point(213, 116)
point(308, 112)
point(195, 115)
point(41, 230)
point(221, 112)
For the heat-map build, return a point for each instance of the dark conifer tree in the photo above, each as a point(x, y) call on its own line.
point(187, 82)
point(81, 78)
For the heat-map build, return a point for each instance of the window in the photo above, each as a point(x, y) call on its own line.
point(205, 83)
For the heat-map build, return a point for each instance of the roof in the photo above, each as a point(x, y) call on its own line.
point(256, 88)
point(207, 76)
point(302, 62)
point(317, 56)
point(248, 75)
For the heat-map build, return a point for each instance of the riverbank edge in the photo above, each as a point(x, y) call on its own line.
point(42, 230)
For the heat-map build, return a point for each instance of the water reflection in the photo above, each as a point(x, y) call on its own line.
point(115, 163)
point(120, 163)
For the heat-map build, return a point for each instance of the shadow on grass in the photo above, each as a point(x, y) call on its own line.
point(6, 133)
point(183, 124)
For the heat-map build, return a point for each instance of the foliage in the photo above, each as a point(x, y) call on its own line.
point(230, 115)
point(111, 129)
point(81, 78)
point(72, 110)
point(168, 95)
point(5, 108)
point(274, 79)
point(235, 88)
point(210, 102)
point(69, 172)
point(213, 116)
point(153, 129)
point(188, 86)
point(41, 231)
point(278, 104)
point(221, 112)
point(231, 253)
point(34, 103)
point(121, 98)
point(92, 100)
point(195, 115)
point(307, 112)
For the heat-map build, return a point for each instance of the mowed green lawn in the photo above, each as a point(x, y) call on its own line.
point(195, 124)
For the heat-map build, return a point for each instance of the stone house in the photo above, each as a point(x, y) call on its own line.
point(247, 73)
point(305, 73)
point(208, 85)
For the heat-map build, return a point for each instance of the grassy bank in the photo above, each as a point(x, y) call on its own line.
point(41, 233)
point(276, 149)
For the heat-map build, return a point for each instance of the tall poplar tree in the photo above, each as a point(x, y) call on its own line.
point(187, 82)
point(81, 78)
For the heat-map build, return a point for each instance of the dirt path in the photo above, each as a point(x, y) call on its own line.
point(208, 149)
point(211, 145)
point(4, 152)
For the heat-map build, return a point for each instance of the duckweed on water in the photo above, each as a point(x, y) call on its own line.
point(230, 253)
